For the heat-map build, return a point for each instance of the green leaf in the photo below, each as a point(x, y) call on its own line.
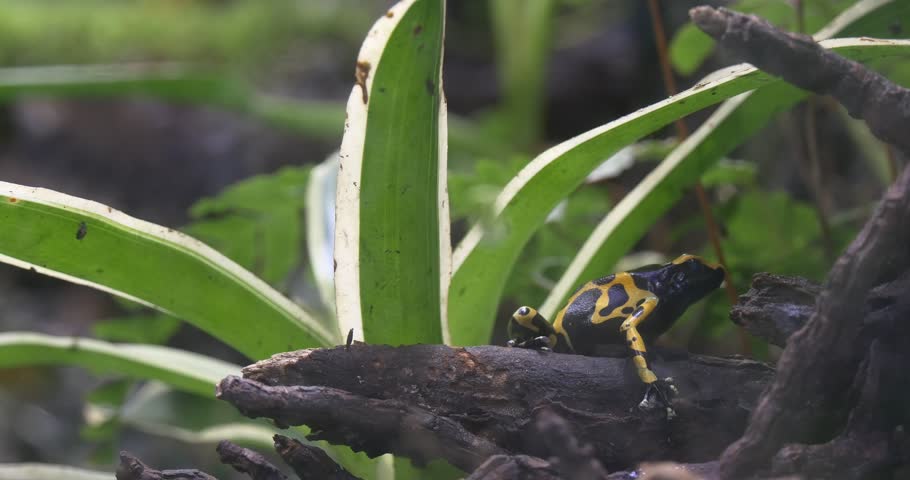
point(186, 371)
point(91, 244)
point(730, 172)
point(257, 222)
point(44, 471)
point(522, 32)
point(391, 236)
point(690, 46)
point(155, 409)
point(485, 257)
point(481, 264)
point(154, 329)
point(180, 83)
point(631, 218)
point(242, 34)
point(689, 49)
point(728, 127)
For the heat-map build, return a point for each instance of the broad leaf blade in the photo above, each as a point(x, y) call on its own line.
point(257, 222)
point(392, 223)
point(733, 123)
point(92, 244)
point(486, 255)
point(183, 370)
point(664, 186)
point(483, 261)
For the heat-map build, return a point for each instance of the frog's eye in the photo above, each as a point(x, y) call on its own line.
point(524, 311)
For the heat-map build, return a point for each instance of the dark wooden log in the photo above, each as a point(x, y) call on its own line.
point(372, 425)
point(494, 393)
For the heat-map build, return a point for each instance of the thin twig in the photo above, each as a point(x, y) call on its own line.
point(248, 461)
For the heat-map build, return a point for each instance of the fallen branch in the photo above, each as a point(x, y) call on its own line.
point(374, 426)
point(483, 400)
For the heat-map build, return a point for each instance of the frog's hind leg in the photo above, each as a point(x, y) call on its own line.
point(639, 352)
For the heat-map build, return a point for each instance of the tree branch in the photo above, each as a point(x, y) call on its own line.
point(797, 59)
point(131, 468)
point(483, 400)
point(374, 426)
point(248, 461)
point(309, 462)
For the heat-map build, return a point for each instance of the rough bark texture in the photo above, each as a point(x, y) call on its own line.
point(836, 367)
point(309, 462)
point(488, 397)
point(797, 59)
point(775, 306)
point(248, 461)
point(837, 407)
point(131, 468)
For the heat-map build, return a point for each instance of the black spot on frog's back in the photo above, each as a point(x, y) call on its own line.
point(604, 280)
point(582, 308)
point(618, 297)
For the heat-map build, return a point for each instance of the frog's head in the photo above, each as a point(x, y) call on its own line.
point(693, 277)
point(527, 323)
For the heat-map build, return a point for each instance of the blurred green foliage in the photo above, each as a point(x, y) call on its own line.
point(259, 222)
point(690, 46)
point(241, 32)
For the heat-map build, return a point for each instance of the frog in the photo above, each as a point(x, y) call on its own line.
point(627, 308)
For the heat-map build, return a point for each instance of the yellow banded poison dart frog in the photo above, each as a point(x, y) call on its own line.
point(631, 308)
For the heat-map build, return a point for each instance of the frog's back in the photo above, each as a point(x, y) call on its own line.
point(597, 309)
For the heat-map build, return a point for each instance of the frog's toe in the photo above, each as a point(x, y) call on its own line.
point(536, 343)
point(657, 395)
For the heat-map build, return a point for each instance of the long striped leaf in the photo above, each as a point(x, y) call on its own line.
point(91, 244)
point(485, 257)
point(182, 83)
point(728, 127)
point(180, 369)
point(391, 238)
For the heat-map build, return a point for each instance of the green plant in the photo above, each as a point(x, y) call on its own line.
point(396, 278)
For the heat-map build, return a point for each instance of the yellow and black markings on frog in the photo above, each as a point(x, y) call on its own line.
point(632, 307)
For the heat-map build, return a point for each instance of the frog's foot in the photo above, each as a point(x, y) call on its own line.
point(658, 395)
point(536, 343)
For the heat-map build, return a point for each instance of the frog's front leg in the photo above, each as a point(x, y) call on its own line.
point(528, 329)
point(639, 351)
